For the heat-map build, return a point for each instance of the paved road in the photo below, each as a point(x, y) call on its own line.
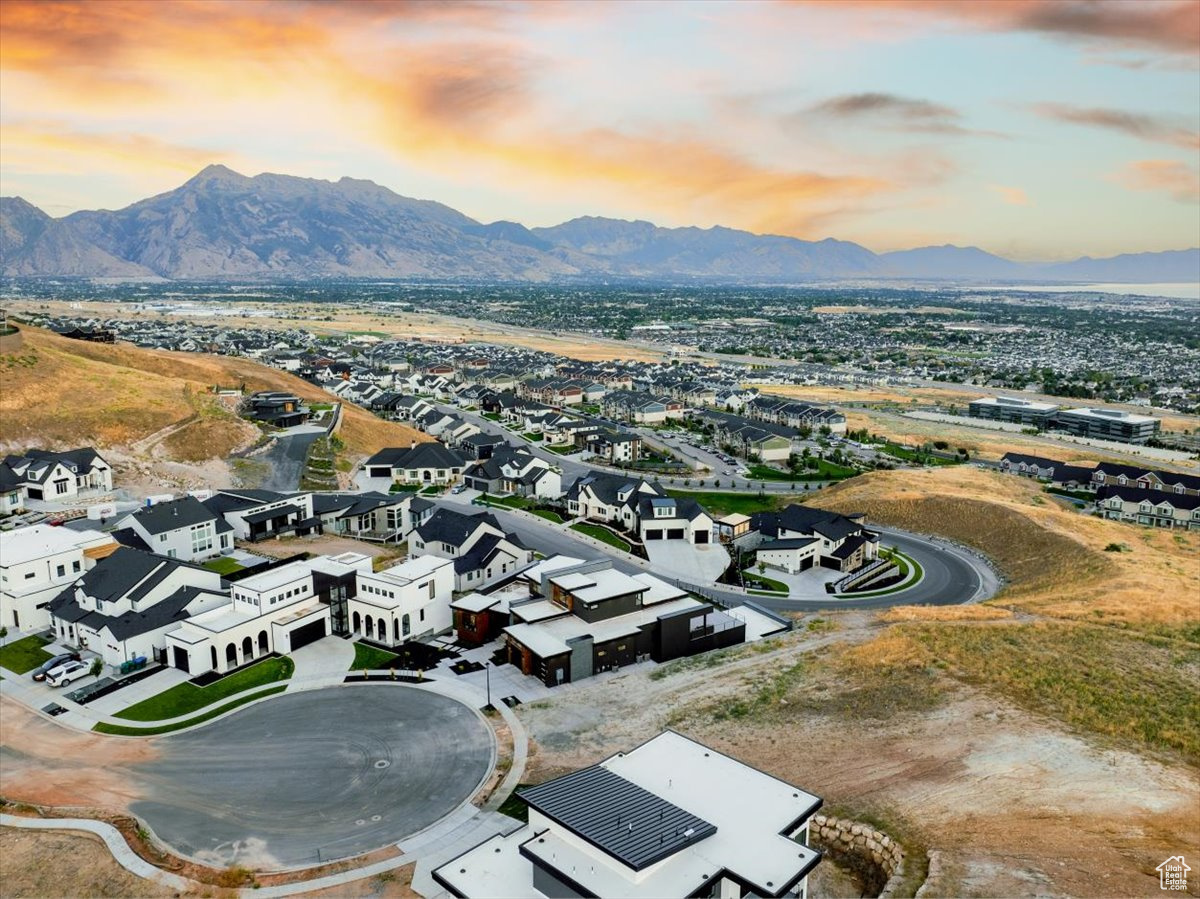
point(952, 575)
point(286, 459)
point(273, 785)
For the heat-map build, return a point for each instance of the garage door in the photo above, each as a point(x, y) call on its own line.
point(701, 536)
point(181, 658)
point(653, 535)
point(676, 534)
point(307, 633)
point(384, 472)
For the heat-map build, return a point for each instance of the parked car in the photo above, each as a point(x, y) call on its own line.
point(457, 488)
point(40, 672)
point(67, 672)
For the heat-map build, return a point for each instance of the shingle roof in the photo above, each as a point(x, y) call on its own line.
point(423, 455)
point(453, 528)
point(172, 515)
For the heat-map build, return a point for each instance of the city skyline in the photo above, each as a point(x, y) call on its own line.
point(1033, 130)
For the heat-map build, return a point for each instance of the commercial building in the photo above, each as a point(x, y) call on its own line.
point(1013, 409)
point(1107, 424)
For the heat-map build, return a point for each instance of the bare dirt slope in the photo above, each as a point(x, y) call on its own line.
point(34, 865)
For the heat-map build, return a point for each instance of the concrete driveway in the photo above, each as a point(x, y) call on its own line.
point(308, 777)
point(701, 564)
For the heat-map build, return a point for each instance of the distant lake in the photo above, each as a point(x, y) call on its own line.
point(1181, 291)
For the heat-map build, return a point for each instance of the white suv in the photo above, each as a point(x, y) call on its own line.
point(67, 672)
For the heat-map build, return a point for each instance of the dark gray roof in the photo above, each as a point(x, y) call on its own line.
point(173, 514)
point(236, 500)
point(791, 543)
point(423, 455)
point(626, 821)
point(448, 526)
point(268, 514)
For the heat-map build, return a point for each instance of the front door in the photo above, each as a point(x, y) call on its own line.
point(181, 659)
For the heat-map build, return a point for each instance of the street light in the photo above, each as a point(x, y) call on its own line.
point(487, 673)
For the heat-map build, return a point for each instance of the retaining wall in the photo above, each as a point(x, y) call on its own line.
point(872, 855)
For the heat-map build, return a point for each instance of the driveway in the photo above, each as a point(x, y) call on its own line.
point(680, 558)
point(286, 460)
point(305, 778)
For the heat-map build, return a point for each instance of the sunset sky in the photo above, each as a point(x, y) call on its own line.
point(1037, 130)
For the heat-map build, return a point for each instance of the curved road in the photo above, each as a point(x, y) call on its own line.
point(952, 576)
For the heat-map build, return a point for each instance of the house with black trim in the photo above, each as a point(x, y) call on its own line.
point(124, 606)
point(48, 475)
point(801, 537)
point(482, 552)
point(182, 528)
point(671, 817)
point(276, 407)
point(514, 470)
point(589, 617)
point(420, 463)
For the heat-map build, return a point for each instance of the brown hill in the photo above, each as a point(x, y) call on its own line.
point(56, 392)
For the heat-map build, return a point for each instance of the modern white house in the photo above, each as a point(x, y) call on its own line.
point(276, 611)
point(409, 600)
point(181, 529)
point(672, 817)
point(36, 563)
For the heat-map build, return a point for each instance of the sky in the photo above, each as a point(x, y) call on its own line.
point(1035, 130)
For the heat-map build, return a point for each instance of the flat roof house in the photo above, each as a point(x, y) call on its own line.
point(36, 563)
point(672, 817)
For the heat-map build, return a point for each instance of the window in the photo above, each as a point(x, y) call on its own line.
point(422, 615)
point(162, 538)
point(30, 574)
point(60, 570)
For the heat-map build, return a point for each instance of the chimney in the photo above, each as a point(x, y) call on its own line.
point(412, 445)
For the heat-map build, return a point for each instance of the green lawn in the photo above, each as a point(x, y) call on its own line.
point(532, 437)
point(512, 502)
point(602, 534)
point(184, 698)
point(725, 503)
point(548, 515)
point(403, 488)
point(764, 583)
point(224, 565)
point(910, 572)
point(121, 730)
point(23, 655)
point(492, 416)
point(514, 806)
point(908, 454)
point(371, 657)
point(563, 450)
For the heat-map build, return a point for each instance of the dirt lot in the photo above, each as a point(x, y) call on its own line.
point(327, 545)
point(44, 864)
point(1011, 803)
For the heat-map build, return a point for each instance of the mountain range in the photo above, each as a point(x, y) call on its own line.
point(222, 224)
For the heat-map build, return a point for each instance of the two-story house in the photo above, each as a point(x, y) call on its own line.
point(481, 551)
point(181, 529)
point(409, 600)
point(36, 563)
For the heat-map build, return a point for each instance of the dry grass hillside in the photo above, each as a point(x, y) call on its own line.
point(1054, 558)
point(59, 392)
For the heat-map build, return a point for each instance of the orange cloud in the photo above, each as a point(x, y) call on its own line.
point(54, 143)
point(1161, 175)
point(1013, 196)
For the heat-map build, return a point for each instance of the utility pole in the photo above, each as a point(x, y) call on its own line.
point(487, 674)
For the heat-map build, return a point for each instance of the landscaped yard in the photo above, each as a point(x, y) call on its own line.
point(184, 698)
point(224, 565)
point(548, 515)
point(764, 583)
point(568, 450)
point(371, 657)
point(724, 503)
point(825, 471)
point(403, 488)
point(24, 655)
point(532, 437)
point(121, 730)
point(602, 534)
point(513, 502)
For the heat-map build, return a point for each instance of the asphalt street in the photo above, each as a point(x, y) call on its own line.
point(951, 575)
point(313, 776)
point(286, 459)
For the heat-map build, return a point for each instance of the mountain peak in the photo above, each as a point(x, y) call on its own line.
point(217, 173)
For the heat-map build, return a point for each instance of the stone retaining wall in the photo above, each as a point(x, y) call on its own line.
point(872, 855)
